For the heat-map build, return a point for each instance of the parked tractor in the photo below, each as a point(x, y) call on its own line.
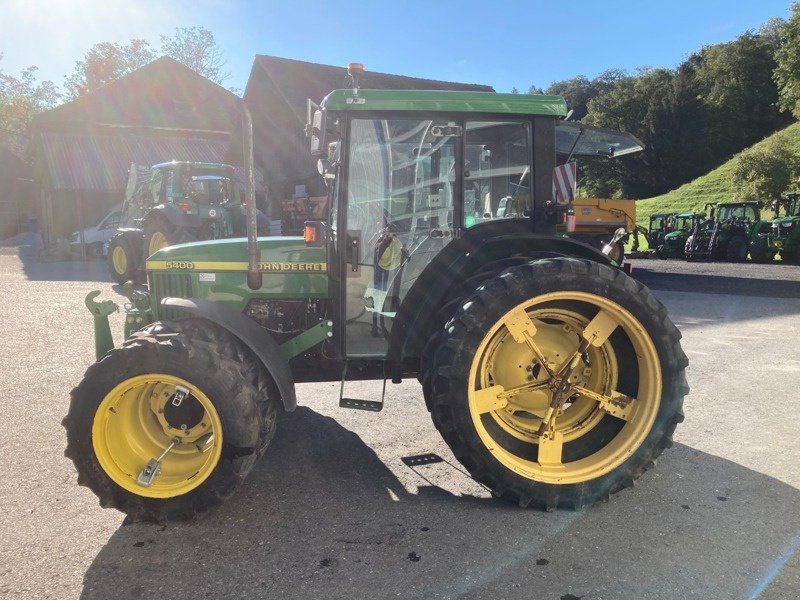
point(728, 232)
point(554, 377)
point(660, 225)
point(172, 203)
point(682, 225)
point(783, 237)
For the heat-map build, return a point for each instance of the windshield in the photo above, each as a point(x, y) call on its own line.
point(682, 222)
point(737, 211)
point(208, 189)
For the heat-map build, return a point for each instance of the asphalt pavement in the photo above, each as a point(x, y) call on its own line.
point(334, 511)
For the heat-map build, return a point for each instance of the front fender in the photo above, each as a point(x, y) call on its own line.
point(254, 337)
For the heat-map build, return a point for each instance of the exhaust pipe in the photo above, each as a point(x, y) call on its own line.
point(254, 276)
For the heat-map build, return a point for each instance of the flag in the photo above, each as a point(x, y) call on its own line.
point(564, 177)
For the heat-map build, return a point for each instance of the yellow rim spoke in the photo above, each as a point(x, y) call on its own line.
point(488, 399)
point(522, 329)
point(550, 450)
point(615, 403)
point(600, 329)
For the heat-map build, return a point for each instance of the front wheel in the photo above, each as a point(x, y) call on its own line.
point(760, 251)
point(559, 382)
point(737, 249)
point(168, 425)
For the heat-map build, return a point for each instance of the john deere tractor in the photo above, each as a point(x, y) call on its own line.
point(673, 244)
point(555, 378)
point(727, 233)
point(783, 237)
point(172, 203)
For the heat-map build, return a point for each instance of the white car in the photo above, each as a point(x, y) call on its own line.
point(96, 238)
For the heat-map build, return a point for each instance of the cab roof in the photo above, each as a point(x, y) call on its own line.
point(445, 101)
point(574, 139)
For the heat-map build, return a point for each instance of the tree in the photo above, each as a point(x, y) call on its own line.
point(579, 90)
point(106, 62)
point(787, 72)
point(21, 98)
point(196, 48)
point(734, 81)
point(767, 170)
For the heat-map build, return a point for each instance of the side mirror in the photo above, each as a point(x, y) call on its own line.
point(316, 131)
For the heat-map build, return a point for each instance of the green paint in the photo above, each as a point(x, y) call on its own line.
point(308, 339)
point(445, 101)
point(216, 271)
point(103, 340)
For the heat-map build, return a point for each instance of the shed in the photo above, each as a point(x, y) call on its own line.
point(276, 95)
point(163, 111)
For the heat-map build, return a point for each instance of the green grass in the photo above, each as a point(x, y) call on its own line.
point(715, 186)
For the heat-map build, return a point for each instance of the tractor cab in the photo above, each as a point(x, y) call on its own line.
point(411, 173)
point(682, 225)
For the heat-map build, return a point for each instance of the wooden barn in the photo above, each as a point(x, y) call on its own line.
point(160, 112)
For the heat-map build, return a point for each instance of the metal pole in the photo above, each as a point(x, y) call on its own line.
point(254, 276)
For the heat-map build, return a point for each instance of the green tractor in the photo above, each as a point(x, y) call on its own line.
point(659, 226)
point(554, 377)
point(727, 233)
point(783, 238)
point(673, 244)
point(173, 203)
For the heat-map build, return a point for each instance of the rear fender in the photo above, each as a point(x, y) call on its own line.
point(175, 216)
point(460, 259)
point(254, 337)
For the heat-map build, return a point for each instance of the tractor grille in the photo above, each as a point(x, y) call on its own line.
point(171, 285)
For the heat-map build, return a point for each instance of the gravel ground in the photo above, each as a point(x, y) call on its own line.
point(333, 510)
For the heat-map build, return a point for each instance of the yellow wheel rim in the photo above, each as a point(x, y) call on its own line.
point(157, 241)
point(119, 259)
point(511, 390)
point(137, 421)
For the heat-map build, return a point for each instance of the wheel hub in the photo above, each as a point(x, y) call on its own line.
point(185, 415)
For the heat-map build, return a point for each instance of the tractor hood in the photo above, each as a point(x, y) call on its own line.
point(788, 220)
point(278, 255)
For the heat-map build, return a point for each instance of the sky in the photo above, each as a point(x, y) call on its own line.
point(502, 43)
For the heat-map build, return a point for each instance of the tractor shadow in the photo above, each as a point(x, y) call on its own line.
point(323, 516)
point(708, 283)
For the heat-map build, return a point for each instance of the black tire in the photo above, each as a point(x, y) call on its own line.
point(218, 370)
point(159, 233)
point(122, 260)
point(643, 324)
point(759, 251)
point(737, 249)
point(453, 300)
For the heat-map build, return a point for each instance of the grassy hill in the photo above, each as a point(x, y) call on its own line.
point(715, 186)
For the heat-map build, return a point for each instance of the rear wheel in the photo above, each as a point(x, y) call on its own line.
point(558, 383)
point(168, 425)
point(158, 233)
point(121, 260)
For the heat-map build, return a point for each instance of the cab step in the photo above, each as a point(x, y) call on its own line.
point(356, 403)
point(372, 405)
